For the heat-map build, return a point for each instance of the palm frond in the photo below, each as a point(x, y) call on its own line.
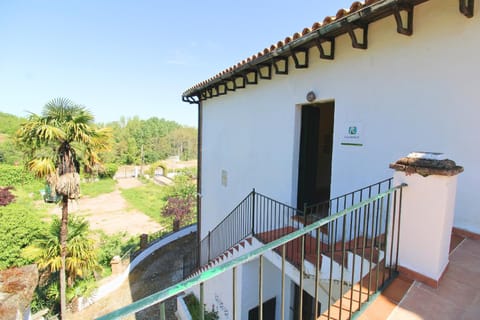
point(42, 167)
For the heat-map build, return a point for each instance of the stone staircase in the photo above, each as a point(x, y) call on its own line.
point(236, 250)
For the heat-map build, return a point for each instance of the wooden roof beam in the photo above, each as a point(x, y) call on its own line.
point(404, 18)
point(466, 8)
point(326, 48)
point(300, 58)
point(359, 35)
point(265, 71)
point(281, 65)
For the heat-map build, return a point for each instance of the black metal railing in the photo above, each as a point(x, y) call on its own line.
point(317, 211)
point(268, 219)
point(236, 226)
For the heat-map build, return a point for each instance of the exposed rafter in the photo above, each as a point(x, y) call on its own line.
point(240, 82)
point(251, 77)
point(404, 18)
point(265, 71)
point(300, 58)
point(191, 99)
point(281, 65)
point(209, 93)
point(359, 35)
point(326, 48)
point(231, 86)
point(275, 59)
point(222, 89)
point(466, 8)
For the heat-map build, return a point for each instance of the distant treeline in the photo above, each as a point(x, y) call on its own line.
point(135, 141)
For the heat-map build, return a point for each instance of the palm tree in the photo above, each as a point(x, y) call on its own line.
point(54, 142)
point(81, 259)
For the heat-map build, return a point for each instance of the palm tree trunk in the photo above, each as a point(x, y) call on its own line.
point(63, 255)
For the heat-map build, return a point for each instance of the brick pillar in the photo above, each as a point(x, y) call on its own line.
point(427, 214)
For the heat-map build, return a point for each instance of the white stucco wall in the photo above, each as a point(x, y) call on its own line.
point(272, 288)
point(409, 93)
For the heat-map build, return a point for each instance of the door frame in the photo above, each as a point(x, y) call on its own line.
point(297, 145)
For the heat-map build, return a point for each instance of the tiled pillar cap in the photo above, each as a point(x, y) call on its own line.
point(426, 165)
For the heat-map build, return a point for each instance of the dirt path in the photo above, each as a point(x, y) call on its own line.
point(110, 213)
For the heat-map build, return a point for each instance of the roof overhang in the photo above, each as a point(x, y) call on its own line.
point(354, 22)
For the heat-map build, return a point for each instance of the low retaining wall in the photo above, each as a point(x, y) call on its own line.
point(108, 288)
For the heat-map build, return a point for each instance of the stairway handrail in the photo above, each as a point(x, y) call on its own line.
point(215, 271)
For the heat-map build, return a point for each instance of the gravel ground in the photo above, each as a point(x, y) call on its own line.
point(110, 213)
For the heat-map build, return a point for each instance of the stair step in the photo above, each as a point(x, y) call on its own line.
point(357, 295)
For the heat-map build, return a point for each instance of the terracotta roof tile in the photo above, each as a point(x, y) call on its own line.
point(328, 20)
point(357, 5)
point(316, 25)
point(341, 13)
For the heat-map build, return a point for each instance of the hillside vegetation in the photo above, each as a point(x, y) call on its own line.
point(135, 141)
point(25, 219)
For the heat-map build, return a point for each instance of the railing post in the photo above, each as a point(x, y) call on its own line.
point(162, 311)
point(209, 247)
point(305, 214)
point(253, 212)
point(202, 305)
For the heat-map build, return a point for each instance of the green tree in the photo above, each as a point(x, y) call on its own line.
point(81, 259)
point(184, 142)
point(55, 142)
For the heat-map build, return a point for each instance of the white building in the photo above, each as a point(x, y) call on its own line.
point(367, 87)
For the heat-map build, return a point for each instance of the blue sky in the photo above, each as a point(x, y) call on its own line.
point(127, 58)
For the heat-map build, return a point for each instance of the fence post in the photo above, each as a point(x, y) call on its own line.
point(253, 212)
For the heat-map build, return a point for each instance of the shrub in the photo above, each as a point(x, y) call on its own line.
point(109, 171)
point(14, 175)
point(180, 208)
point(193, 306)
point(20, 226)
point(6, 197)
point(115, 245)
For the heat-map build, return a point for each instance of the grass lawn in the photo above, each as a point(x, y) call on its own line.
point(96, 188)
point(149, 200)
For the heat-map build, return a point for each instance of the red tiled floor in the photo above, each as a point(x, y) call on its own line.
point(458, 294)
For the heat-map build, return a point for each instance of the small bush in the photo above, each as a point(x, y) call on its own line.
point(109, 171)
point(115, 245)
point(6, 197)
point(180, 208)
point(193, 306)
point(14, 176)
point(19, 226)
